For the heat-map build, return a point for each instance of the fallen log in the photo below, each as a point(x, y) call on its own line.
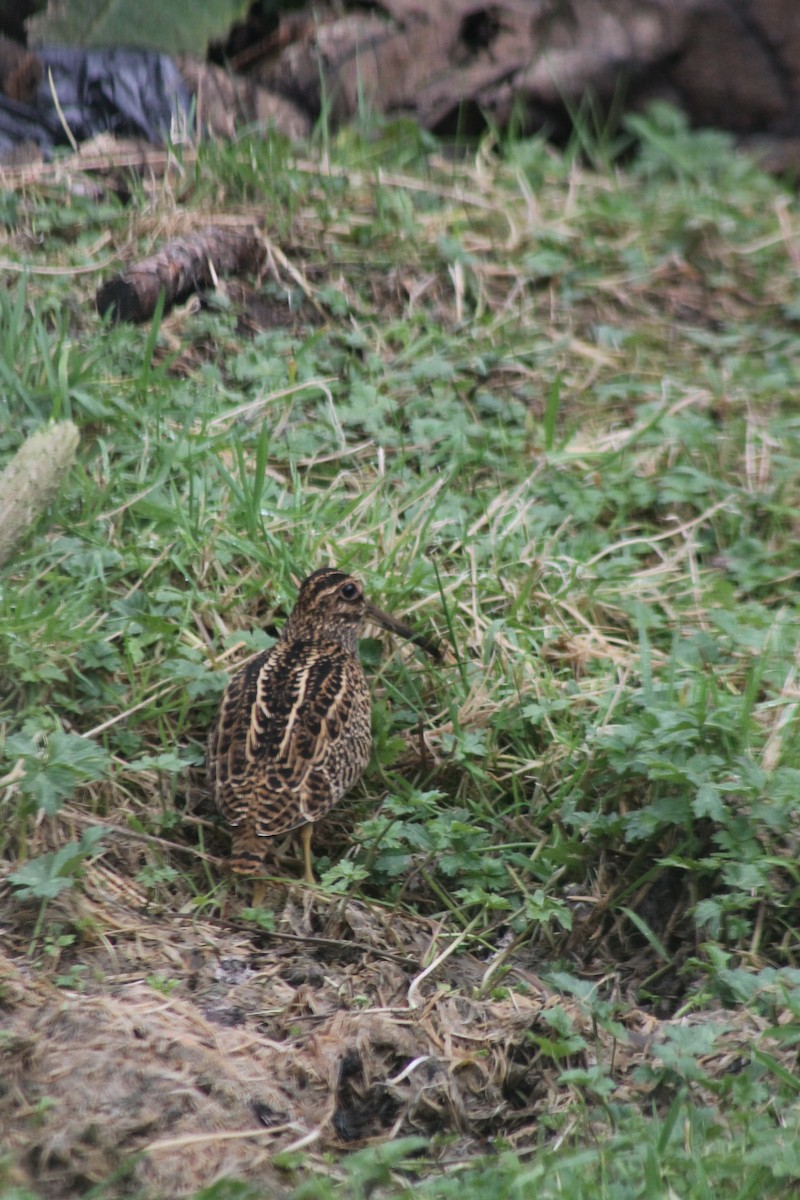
point(182, 266)
point(460, 67)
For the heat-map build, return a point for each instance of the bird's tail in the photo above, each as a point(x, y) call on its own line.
point(247, 856)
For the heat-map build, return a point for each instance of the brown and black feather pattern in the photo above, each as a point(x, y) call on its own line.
point(293, 730)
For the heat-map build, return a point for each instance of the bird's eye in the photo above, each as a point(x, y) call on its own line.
point(348, 591)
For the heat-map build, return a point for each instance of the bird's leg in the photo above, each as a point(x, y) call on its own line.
point(259, 892)
point(305, 838)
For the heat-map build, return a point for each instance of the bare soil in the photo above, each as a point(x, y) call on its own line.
point(188, 1048)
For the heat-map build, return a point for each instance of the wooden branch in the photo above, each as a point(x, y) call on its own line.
point(182, 266)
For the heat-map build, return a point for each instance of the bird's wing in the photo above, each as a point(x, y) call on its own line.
point(284, 723)
point(226, 758)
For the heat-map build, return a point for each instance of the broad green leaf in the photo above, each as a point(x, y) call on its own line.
point(45, 877)
point(183, 26)
point(55, 764)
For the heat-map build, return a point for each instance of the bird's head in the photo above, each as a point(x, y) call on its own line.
point(331, 606)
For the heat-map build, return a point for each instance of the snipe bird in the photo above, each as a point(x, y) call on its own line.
point(292, 734)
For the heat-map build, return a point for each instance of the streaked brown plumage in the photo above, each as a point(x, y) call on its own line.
point(292, 734)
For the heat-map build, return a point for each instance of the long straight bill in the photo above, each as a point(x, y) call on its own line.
point(429, 645)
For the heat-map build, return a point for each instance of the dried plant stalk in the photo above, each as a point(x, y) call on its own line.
point(31, 481)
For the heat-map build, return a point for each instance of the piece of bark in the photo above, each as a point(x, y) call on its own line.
point(20, 71)
point(31, 480)
point(224, 102)
point(184, 265)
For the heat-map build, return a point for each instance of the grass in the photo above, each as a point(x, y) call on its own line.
point(548, 411)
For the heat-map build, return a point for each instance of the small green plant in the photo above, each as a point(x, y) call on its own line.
point(49, 875)
point(73, 979)
point(49, 765)
point(54, 945)
point(45, 877)
point(161, 983)
point(366, 1171)
point(261, 918)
